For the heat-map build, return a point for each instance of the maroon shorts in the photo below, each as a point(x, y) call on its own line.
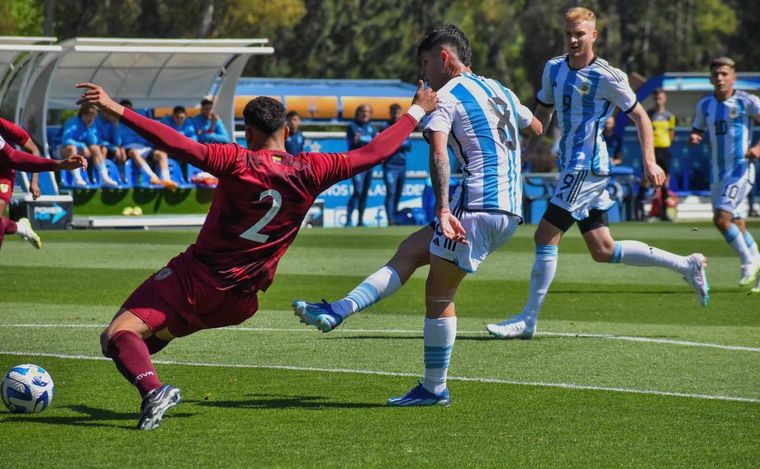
point(180, 297)
point(7, 180)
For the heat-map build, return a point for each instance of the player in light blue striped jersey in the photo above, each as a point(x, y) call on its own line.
point(584, 90)
point(480, 121)
point(727, 116)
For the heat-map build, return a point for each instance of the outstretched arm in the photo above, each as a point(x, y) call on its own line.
point(388, 141)
point(159, 135)
point(12, 158)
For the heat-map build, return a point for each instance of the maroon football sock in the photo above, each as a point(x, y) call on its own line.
point(155, 344)
point(130, 354)
point(9, 226)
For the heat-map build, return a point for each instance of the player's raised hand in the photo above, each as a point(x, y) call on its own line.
point(452, 228)
point(73, 162)
point(695, 139)
point(95, 94)
point(426, 98)
point(655, 175)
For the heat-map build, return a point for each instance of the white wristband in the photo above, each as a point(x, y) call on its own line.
point(417, 112)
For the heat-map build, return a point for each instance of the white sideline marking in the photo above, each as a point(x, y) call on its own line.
point(684, 343)
point(580, 387)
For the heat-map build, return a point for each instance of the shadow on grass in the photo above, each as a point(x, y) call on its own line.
point(271, 401)
point(93, 417)
point(460, 338)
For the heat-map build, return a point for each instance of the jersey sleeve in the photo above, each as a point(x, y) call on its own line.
point(699, 118)
point(545, 96)
point(753, 106)
point(13, 133)
point(442, 118)
point(615, 89)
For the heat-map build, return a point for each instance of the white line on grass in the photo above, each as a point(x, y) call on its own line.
point(543, 384)
point(684, 343)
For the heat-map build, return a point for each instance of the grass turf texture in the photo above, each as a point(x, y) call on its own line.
point(308, 415)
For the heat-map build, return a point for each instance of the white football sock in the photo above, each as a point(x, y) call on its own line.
point(165, 174)
point(374, 288)
point(749, 240)
point(79, 175)
point(438, 337)
point(146, 167)
point(642, 255)
point(735, 239)
point(541, 277)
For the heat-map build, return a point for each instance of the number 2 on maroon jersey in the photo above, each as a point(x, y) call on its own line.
point(252, 233)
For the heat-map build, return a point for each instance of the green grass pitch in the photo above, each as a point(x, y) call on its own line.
point(627, 371)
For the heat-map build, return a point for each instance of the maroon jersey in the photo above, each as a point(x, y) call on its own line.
point(12, 133)
point(262, 197)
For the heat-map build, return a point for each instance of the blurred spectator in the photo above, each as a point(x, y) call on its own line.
point(664, 128)
point(613, 141)
point(294, 143)
point(138, 150)
point(109, 137)
point(394, 170)
point(178, 121)
point(80, 137)
point(359, 133)
point(208, 126)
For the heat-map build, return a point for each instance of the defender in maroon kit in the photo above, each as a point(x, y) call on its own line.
point(263, 196)
point(12, 160)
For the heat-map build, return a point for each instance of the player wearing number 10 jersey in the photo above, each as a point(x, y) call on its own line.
point(262, 197)
point(727, 116)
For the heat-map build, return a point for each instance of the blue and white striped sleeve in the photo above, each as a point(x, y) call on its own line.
point(699, 117)
point(615, 89)
point(442, 118)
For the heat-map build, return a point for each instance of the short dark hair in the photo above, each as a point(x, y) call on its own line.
point(721, 62)
point(126, 103)
point(658, 91)
point(87, 107)
point(179, 110)
point(291, 114)
point(360, 108)
point(395, 107)
point(266, 114)
point(206, 102)
point(449, 35)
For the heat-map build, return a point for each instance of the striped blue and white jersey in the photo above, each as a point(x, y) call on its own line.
point(583, 100)
point(482, 119)
point(729, 125)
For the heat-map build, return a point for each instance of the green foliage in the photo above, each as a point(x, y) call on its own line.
point(21, 17)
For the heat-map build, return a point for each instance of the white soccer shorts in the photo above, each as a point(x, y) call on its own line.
point(486, 232)
point(731, 193)
point(579, 191)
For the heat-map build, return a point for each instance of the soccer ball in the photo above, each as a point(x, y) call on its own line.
point(27, 388)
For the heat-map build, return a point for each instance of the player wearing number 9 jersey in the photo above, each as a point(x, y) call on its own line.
point(727, 116)
point(584, 90)
point(263, 196)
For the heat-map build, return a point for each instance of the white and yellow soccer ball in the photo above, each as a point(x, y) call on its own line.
point(27, 388)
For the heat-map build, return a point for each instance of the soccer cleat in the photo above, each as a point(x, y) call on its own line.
point(109, 183)
point(419, 396)
point(155, 404)
point(319, 315)
point(696, 277)
point(516, 327)
point(750, 274)
point(756, 288)
point(28, 233)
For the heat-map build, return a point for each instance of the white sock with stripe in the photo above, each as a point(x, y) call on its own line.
point(438, 337)
point(541, 277)
point(735, 239)
point(374, 288)
point(642, 255)
point(749, 240)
